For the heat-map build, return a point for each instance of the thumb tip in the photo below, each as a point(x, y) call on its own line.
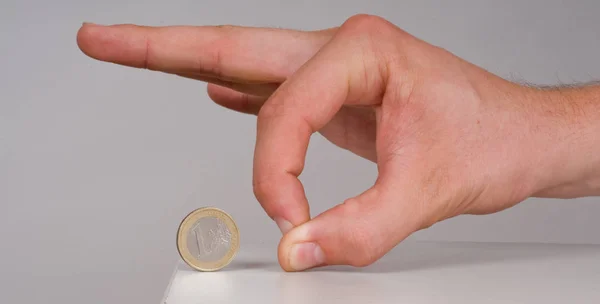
point(292, 255)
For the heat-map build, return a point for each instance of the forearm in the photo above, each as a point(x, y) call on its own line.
point(567, 120)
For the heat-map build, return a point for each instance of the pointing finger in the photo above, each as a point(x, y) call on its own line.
point(230, 52)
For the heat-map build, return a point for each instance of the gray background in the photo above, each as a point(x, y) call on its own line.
point(99, 163)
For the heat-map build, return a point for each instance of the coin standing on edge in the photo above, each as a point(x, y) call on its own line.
point(208, 239)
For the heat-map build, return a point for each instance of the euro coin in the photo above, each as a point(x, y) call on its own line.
point(208, 239)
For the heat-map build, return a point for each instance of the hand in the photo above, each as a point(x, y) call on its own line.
point(448, 137)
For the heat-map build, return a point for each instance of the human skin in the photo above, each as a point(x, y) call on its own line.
point(448, 137)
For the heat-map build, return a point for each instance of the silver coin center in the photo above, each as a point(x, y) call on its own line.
point(209, 239)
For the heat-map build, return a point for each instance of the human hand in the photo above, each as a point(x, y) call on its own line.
point(448, 137)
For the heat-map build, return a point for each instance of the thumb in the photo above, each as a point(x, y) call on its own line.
point(357, 232)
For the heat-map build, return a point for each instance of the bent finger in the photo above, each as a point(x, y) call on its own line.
point(305, 103)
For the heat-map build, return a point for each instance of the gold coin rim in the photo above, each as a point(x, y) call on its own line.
point(185, 225)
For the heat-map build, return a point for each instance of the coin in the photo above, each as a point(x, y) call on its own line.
point(208, 239)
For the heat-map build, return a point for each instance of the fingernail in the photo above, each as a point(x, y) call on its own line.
point(306, 255)
point(283, 225)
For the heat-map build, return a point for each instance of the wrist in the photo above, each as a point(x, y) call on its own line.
point(566, 125)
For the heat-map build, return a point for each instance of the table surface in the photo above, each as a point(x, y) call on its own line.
point(414, 272)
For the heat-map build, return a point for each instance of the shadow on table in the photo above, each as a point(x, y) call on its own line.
point(249, 264)
point(415, 256)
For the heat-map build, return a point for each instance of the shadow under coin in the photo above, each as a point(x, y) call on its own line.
point(251, 265)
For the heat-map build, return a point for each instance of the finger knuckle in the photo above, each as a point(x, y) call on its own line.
point(218, 52)
point(262, 188)
point(216, 61)
point(147, 62)
point(365, 23)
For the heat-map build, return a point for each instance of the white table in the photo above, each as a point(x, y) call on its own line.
point(414, 272)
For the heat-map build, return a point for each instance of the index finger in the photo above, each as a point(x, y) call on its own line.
point(231, 53)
